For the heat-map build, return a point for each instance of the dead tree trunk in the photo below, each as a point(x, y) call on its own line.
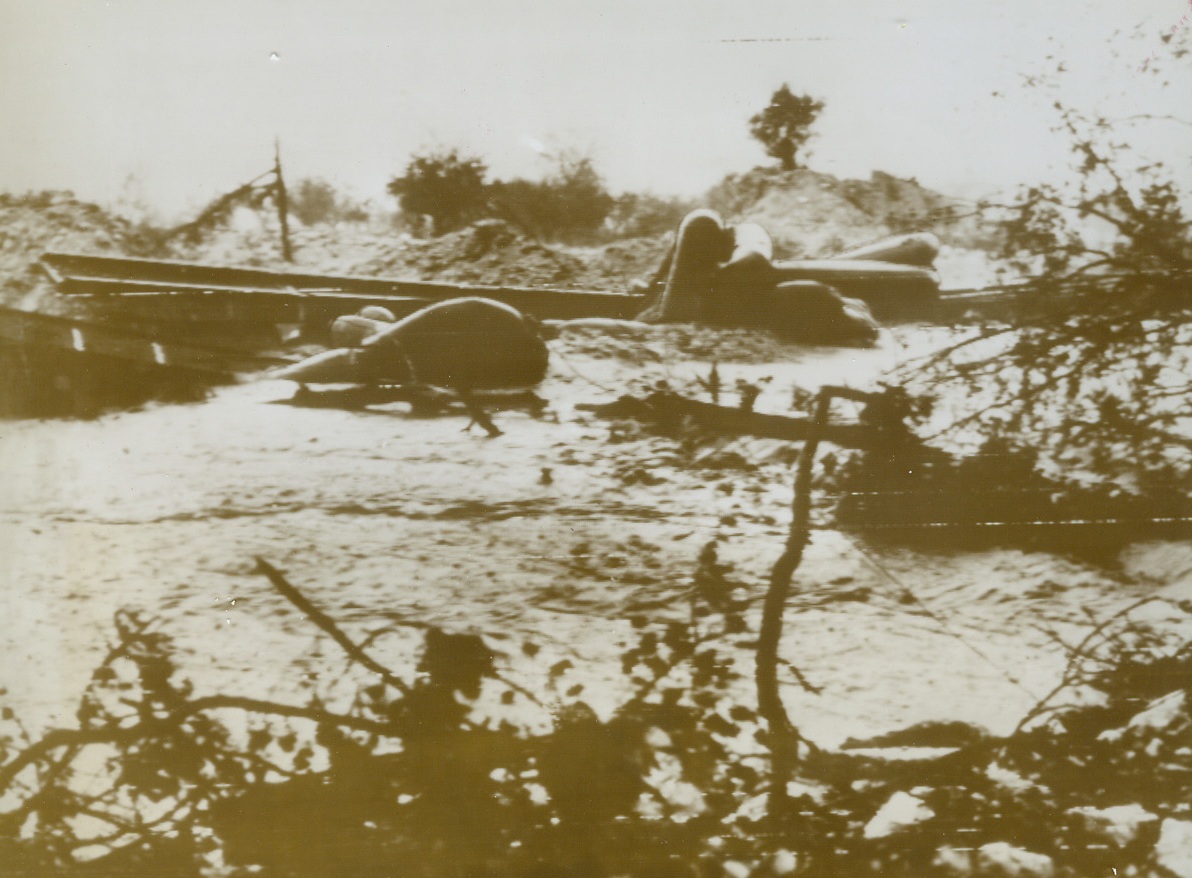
point(282, 205)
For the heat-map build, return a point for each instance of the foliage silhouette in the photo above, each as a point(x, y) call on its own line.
point(445, 186)
point(316, 201)
point(1091, 374)
point(431, 778)
point(641, 215)
point(784, 126)
point(571, 202)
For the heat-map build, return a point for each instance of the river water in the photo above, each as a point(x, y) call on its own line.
point(555, 532)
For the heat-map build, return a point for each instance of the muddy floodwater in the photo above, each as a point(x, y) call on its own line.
point(555, 532)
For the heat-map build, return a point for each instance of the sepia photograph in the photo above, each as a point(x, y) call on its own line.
point(602, 439)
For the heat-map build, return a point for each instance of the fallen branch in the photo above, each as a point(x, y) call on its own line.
point(328, 625)
point(1076, 654)
point(478, 414)
point(670, 410)
point(56, 739)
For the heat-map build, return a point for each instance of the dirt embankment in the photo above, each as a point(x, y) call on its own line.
point(811, 214)
point(807, 213)
point(34, 223)
point(489, 253)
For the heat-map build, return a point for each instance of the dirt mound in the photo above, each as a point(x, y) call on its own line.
point(34, 223)
point(488, 252)
point(618, 264)
point(807, 214)
point(812, 214)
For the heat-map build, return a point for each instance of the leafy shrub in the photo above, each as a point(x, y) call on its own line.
point(572, 202)
point(316, 201)
point(642, 215)
point(431, 777)
point(1092, 369)
point(997, 495)
point(444, 186)
point(422, 778)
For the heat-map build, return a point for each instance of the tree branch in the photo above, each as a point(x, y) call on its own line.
point(56, 739)
point(328, 625)
point(1077, 653)
point(784, 737)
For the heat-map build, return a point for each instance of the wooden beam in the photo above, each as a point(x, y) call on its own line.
point(672, 411)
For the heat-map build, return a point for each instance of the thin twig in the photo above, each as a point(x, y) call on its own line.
point(924, 362)
point(328, 625)
point(802, 680)
point(941, 623)
point(1076, 654)
point(478, 414)
point(56, 739)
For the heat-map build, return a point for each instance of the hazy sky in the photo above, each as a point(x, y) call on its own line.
point(188, 96)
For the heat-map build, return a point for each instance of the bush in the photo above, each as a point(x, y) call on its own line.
point(637, 215)
point(426, 778)
point(418, 778)
point(572, 202)
point(444, 186)
point(1093, 369)
point(315, 201)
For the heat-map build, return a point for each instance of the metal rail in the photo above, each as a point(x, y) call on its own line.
point(178, 292)
point(83, 340)
point(322, 296)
